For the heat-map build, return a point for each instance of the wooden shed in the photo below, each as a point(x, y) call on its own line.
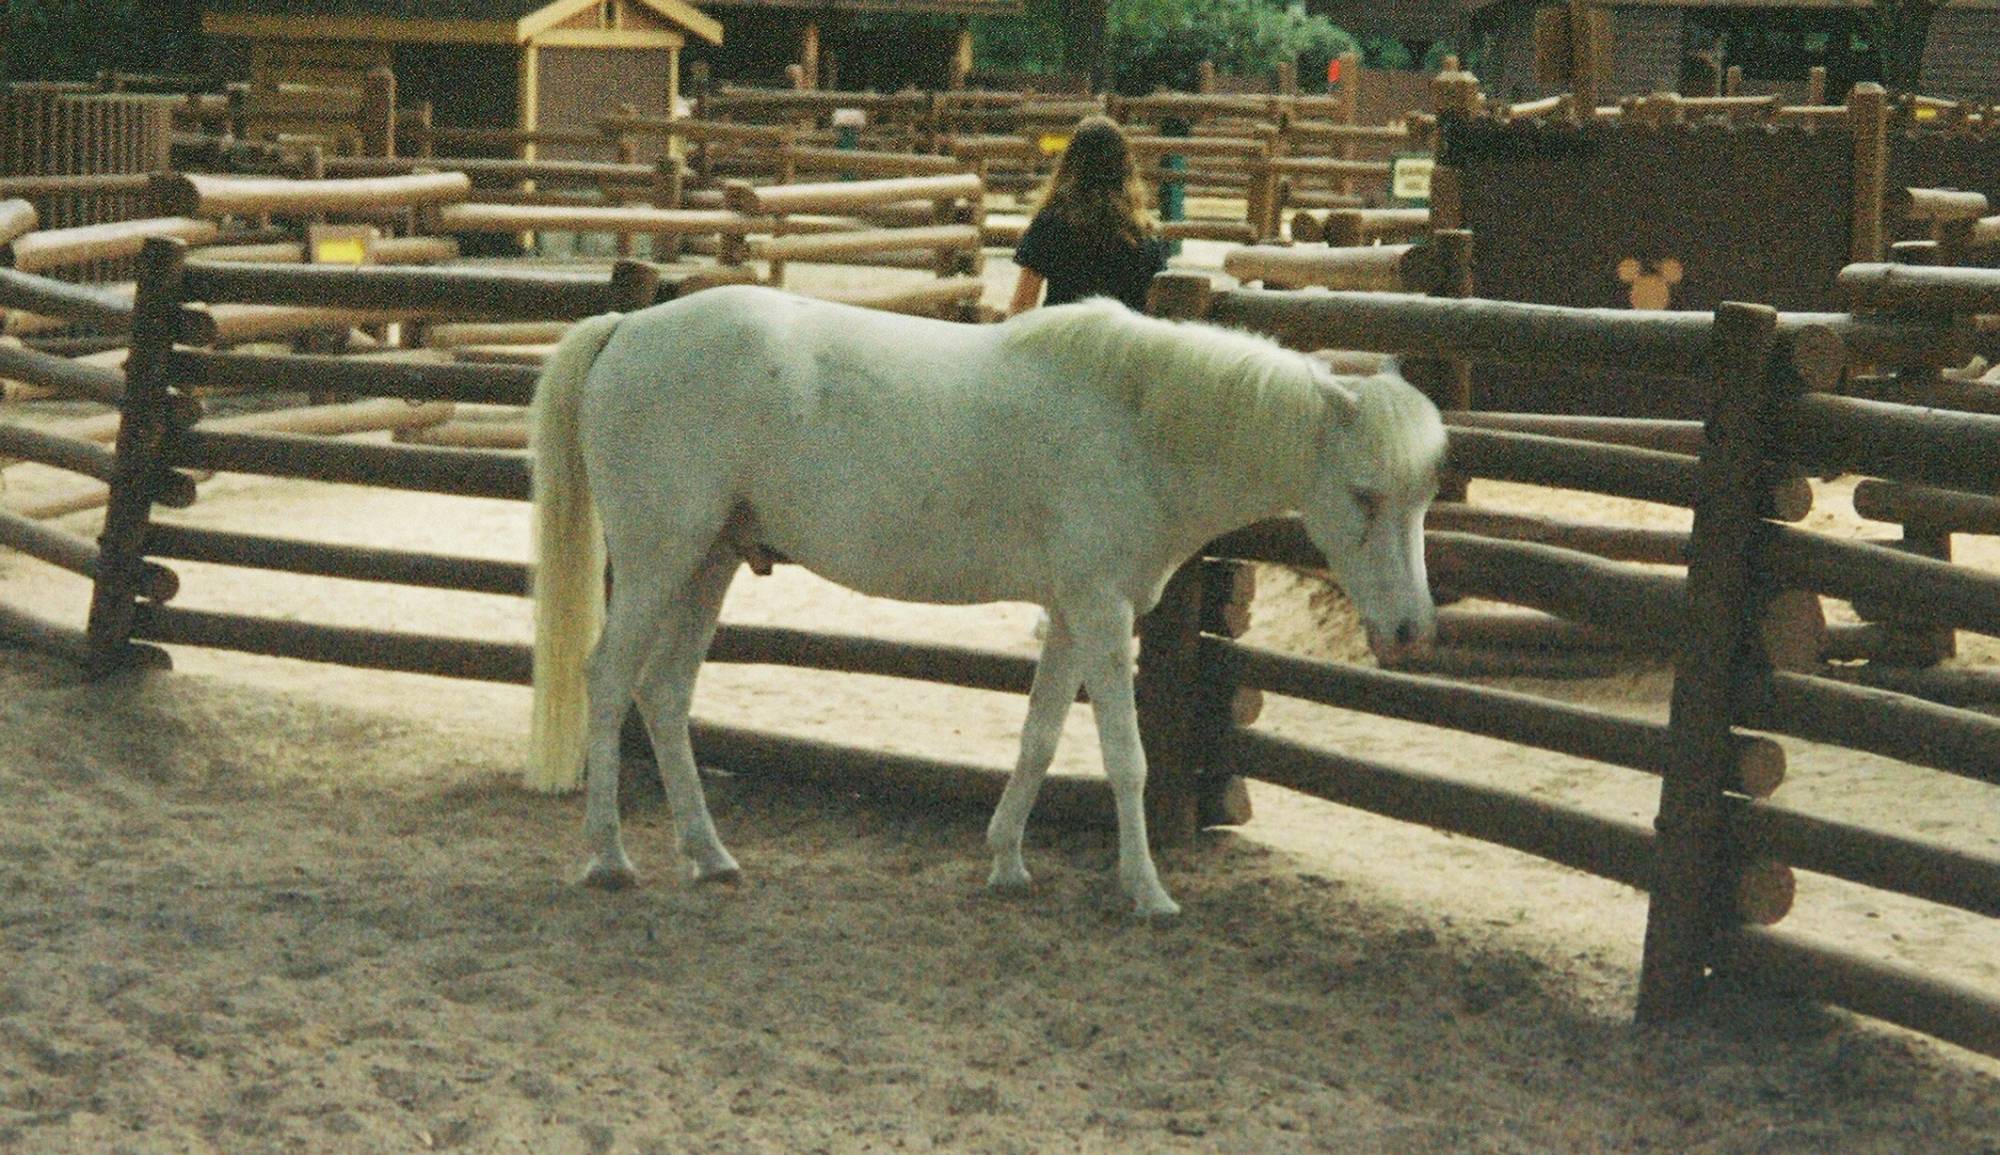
point(551, 64)
point(1653, 40)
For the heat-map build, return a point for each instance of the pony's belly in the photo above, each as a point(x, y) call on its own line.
point(910, 557)
point(923, 575)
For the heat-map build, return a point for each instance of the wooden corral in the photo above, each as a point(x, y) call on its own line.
point(81, 158)
point(1271, 151)
point(1723, 599)
point(1633, 48)
point(1718, 861)
point(1718, 864)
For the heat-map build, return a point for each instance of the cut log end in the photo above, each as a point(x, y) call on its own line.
point(1765, 892)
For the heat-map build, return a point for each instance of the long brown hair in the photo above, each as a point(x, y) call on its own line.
point(1096, 188)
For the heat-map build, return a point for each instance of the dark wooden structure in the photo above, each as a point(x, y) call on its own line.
point(859, 44)
point(1622, 213)
point(1652, 43)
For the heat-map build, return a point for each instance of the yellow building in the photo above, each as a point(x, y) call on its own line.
point(548, 64)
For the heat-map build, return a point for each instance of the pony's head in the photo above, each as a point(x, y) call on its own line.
point(1381, 444)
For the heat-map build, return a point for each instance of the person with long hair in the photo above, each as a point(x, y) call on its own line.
point(1091, 235)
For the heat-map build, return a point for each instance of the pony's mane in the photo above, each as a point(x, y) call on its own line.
point(1206, 393)
point(1397, 431)
point(1200, 392)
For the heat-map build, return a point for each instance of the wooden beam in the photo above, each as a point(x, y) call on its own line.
point(1794, 966)
point(255, 26)
point(1608, 848)
point(655, 39)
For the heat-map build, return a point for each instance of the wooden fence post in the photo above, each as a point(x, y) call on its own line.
point(1185, 708)
point(1451, 268)
point(149, 414)
point(1162, 690)
point(1693, 868)
point(1923, 644)
point(1455, 97)
point(378, 113)
point(1868, 116)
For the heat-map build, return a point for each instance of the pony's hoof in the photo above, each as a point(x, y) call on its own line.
point(728, 875)
point(1014, 880)
point(714, 864)
point(1157, 908)
point(601, 875)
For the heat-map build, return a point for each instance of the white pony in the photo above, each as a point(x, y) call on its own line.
point(1072, 457)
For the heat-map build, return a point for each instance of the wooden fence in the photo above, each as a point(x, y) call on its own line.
point(1720, 855)
point(78, 445)
point(1718, 859)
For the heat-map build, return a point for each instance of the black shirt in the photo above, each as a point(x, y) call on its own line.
point(1076, 266)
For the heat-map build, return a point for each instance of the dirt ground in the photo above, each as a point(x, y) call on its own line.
point(256, 905)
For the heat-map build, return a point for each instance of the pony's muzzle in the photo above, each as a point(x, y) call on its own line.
point(1409, 638)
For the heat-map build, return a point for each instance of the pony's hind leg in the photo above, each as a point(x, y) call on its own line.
point(1104, 650)
point(641, 592)
point(1056, 682)
point(666, 693)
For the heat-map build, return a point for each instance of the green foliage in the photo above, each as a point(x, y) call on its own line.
point(1030, 42)
point(1380, 50)
point(1161, 43)
point(1433, 60)
point(75, 39)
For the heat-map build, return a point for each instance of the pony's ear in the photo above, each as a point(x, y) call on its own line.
point(1340, 398)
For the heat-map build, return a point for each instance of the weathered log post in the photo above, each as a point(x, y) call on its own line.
point(1186, 705)
point(1926, 644)
point(1696, 872)
point(1868, 116)
point(150, 415)
point(1454, 96)
point(378, 113)
point(1451, 383)
point(1165, 695)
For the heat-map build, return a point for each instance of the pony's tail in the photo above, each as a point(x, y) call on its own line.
point(569, 561)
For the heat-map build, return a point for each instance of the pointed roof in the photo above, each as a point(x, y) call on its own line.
point(430, 21)
point(887, 7)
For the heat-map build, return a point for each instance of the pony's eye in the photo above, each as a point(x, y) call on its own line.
point(1367, 501)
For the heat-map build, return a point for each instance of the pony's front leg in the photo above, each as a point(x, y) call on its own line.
point(1104, 640)
point(1056, 680)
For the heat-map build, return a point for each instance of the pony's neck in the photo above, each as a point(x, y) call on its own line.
point(1233, 421)
point(1264, 469)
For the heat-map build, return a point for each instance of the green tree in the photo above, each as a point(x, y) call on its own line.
point(1147, 44)
point(1161, 43)
point(1030, 42)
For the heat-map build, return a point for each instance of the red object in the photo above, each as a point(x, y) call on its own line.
point(1333, 71)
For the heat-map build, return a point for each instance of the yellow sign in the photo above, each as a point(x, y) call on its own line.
point(340, 251)
point(341, 244)
point(1410, 178)
point(1053, 143)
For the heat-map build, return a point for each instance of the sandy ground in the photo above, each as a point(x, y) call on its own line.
point(257, 905)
